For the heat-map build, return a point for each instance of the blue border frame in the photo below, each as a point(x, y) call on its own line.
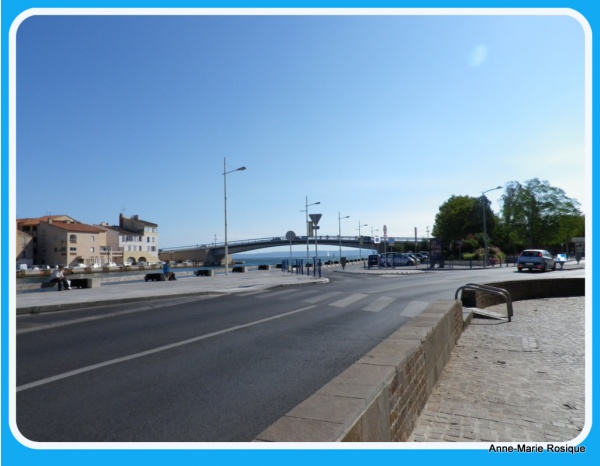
point(13, 452)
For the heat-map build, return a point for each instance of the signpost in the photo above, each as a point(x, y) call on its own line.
point(315, 221)
point(290, 236)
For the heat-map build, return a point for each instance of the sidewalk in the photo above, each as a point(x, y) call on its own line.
point(521, 381)
point(135, 290)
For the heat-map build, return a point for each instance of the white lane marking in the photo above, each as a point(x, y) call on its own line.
point(379, 304)
point(154, 351)
point(276, 293)
point(414, 308)
point(349, 300)
point(51, 325)
point(321, 297)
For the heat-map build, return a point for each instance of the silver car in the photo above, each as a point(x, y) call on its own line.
point(536, 259)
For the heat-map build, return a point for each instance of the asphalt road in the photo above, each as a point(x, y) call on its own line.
point(209, 369)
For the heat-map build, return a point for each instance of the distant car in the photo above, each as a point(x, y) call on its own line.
point(414, 257)
point(373, 260)
point(111, 264)
point(536, 259)
point(394, 259)
point(127, 263)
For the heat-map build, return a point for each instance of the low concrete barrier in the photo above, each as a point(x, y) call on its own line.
point(239, 269)
point(526, 289)
point(204, 273)
point(264, 267)
point(379, 398)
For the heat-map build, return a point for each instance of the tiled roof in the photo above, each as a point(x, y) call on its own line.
point(38, 220)
point(77, 227)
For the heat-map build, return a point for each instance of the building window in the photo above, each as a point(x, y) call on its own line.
point(92, 249)
point(72, 238)
point(73, 249)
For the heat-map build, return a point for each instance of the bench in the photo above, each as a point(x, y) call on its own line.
point(78, 283)
point(83, 282)
point(159, 277)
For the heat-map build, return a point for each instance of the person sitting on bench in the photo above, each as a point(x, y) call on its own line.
point(59, 277)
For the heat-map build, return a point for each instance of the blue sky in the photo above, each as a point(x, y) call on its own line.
point(380, 118)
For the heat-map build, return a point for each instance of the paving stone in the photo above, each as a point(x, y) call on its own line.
point(513, 381)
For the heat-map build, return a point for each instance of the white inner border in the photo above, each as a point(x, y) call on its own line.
point(12, 82)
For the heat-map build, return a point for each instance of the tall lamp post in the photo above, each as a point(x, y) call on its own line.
point(307, 232)
point(225, 173)
point(340, 232)
point(485, 245)
point(360, 239)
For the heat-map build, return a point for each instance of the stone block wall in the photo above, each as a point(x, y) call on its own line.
point(526, 289)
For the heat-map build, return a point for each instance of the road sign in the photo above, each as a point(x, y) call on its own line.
point(315, 218)
point(377, 240)
point(391, 240)
point(290, 236)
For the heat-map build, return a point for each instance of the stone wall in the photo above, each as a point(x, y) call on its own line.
point(526, 289)
point(380, 397)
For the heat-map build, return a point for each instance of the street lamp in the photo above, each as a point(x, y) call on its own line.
point(225, 173)
point(360, 239)
point(340, 232)
point(485, 246)
point(307, 232)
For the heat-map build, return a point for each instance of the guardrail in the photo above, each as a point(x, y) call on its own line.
point(489, 289)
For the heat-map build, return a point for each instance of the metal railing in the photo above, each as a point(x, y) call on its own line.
point(492, 290)
point(366, 240)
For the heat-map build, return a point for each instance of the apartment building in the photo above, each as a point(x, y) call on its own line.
point(135, 239)
point(60, 239)
point(69, 243)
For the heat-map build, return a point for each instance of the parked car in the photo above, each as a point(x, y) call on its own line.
point(536, 259)
point(373, 261)
point(394, 259)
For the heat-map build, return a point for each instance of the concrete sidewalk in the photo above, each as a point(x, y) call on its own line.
point(135, 290)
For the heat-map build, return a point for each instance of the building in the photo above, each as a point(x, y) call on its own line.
point(62, 240)
point(30, 227)
point(24, 246)
point(135, 239)
point(69, 243)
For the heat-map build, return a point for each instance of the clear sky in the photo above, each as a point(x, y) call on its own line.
point(380, 118)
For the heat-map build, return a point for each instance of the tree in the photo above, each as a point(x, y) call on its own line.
point(536, 214)
point(462, 216)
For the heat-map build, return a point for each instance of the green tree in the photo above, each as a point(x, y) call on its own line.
point(536, 214)
point(461, 217)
